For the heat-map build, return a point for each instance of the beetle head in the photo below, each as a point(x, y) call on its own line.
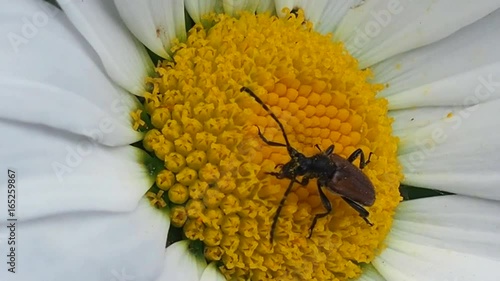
point(297, 166)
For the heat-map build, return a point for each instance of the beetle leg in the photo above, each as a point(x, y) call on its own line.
point(277, 175)
point(268, 142)
point(304, 181)
point(363, 213)
point(330, 149)
point(326, 204)
point(278, 211)
point(319, 148)
point(359, 153)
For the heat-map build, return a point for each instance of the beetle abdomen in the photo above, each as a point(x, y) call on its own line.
point(349, 181)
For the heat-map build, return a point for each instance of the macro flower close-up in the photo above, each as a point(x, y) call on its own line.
point(204, 140)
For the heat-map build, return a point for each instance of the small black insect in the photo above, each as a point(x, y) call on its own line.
point(336, 174)
point(295, 12)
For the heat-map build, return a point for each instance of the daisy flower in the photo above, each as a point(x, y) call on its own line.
point(131, 151)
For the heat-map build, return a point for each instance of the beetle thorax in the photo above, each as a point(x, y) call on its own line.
point(314, 167)
point(320, 166)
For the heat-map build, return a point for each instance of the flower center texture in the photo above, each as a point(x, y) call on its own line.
point(216, 178)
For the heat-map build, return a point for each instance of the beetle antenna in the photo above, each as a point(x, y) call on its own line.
point(245, 89)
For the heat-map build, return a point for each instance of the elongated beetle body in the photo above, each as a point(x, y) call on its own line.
point(332, 172)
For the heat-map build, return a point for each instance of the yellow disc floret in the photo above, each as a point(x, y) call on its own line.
point(216, 167)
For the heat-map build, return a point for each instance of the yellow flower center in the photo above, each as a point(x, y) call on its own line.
point(216, 179)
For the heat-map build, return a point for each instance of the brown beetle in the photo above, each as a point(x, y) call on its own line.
point(336, 174)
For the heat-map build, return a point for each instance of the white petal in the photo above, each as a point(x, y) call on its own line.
point(280, 4)
point(182, 264)
point(212, 273)
point(198, 8)
point(266, 6)
point(233, 7)
point(458, 154)
point(376, 29)
point(406, 119)
point(61, 173)
point(443, 238)
point(464, 89)
point(370, 274)
point(155, 22)
point(324, 14)
point(124, 58)
point(89, 246)
point(39, 103)
point(51, 77)
point(446, 72)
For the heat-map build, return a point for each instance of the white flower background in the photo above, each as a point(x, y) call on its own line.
point(67, 84)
